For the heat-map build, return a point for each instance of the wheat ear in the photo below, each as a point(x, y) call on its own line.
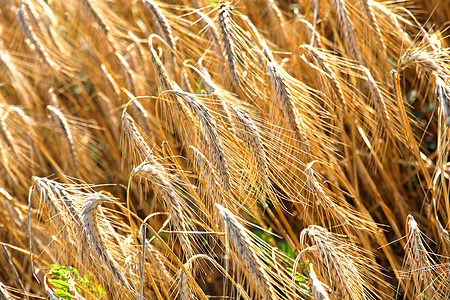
point(4, 295)
point(444, 236)
point(209, 176)
point(216, 153)
point(212, 31)
point(244, 250)
point(418, 261)
point(219, 102)
point(162, 22)
point(319, 289)
point(380, 103)
point(96, 16)
point(443, 96)
point(111, 82)
point(348, 30)
point(313, 34)
point(155, 173)
point(63, 125)
point(338, 259)
point(143, 118)
point(276, 17)
point(137, 142)
point(323, 63)
point(35, 41)
point(248, 132)
point(420, 58)
point(373, 24)
point(286, 99)
point(129, 76)
point(89, 221)
point(227, 40)
point(6, 137)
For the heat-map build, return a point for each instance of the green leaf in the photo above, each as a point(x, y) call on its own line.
point(298, 277)
point(63, 294)
point(60, 284)
point(266, 236)
point(213, 3)
point(101, 291)
point(55, 267)
point(286, 249)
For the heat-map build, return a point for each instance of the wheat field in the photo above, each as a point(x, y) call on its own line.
point(203, 149)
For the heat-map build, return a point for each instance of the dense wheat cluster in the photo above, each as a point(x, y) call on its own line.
point(255, 149)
